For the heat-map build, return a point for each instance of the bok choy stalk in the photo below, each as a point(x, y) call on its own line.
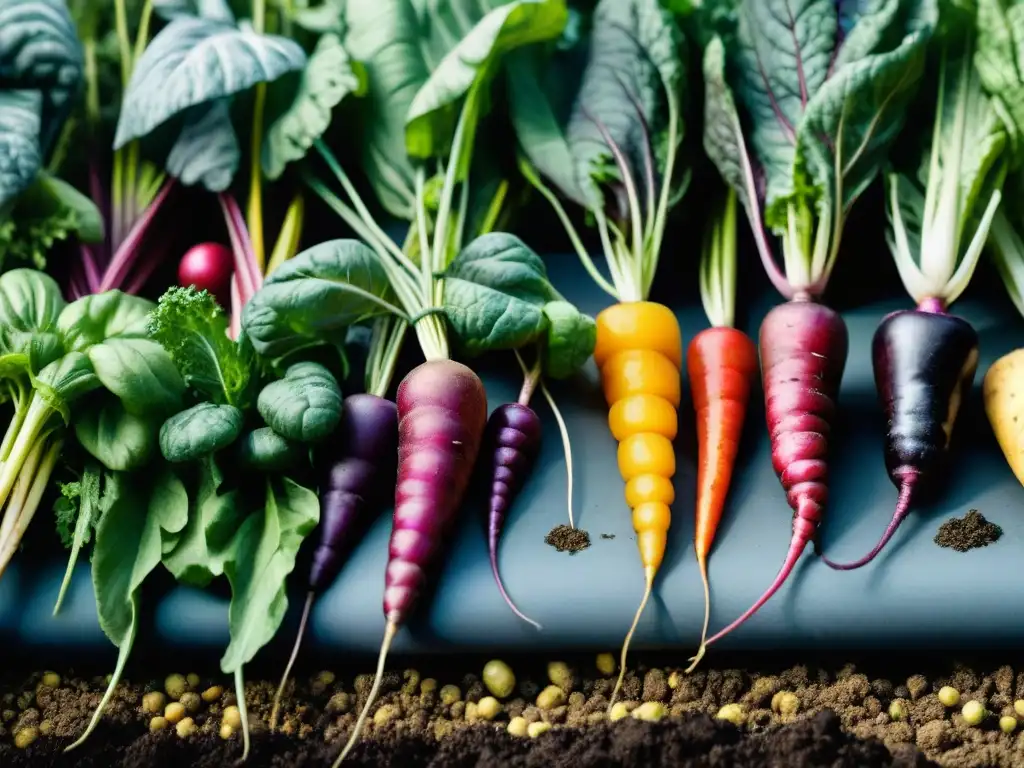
point(940, 210)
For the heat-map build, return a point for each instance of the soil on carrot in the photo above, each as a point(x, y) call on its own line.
point(798, 716)
point(968, 532)
point(567, 539)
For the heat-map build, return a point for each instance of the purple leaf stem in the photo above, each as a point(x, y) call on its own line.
point(128, 251)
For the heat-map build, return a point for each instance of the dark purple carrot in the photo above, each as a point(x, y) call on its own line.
point(353, 491)
point(512, 441)
point(803, 348)
point(442, 411)
point(924, 362)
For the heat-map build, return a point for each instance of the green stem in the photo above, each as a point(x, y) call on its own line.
point(531, 378)
point(242, 711)
point(92, 85)
point(663, 201)
point(13, 428)
point(494, 209)
point(33, 427)
point(388, 345)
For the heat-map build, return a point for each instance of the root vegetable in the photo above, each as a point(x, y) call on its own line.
point(1003, 407)
point(208, 267)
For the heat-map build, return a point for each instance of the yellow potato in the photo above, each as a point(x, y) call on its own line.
point(1003, 391)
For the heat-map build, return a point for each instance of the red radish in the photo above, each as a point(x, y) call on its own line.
point(208, 266)
point(352, 494)
point(442, 412)
point(803, 352)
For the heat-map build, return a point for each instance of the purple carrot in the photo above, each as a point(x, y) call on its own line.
point(442, 412)
point(803, 349)
point(924, 362)
point(353, 492)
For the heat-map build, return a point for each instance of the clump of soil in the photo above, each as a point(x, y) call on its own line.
point(968, 532)
point(567, 539)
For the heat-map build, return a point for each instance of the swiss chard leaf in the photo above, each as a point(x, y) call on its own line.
point(206, 151)
point(200, 431)
point(192, 61)
point(265, 550)
point(999, 60)
point(304, 406)
point(313, 296)
point(21, 157)
point(329, 77)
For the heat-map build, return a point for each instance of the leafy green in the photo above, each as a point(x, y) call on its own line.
point(218, 10)
point(264, 450)
point(999, 60)
point(119, 440)
point(304, 406)
point(570, 339)
point(330, 75)
point(200, 431)
point(79, 510)
point(192, 61)
point(192, 327)
point(206, 151)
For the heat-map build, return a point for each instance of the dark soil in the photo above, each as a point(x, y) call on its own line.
point(567, 539)
point(968, 532)
point(798, 716)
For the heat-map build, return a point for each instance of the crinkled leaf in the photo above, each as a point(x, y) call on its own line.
point(192, 61)
point(495, 292)
point(264, 450)
point(312, 297)
point(216, 10)
point(204, 546)
point(200, 431)
point(119, 440)
point(101, 316)
point(207, 150)
point(265, 549)
point(78, 513)
point(21, 157)
point(570, 339)
point(140, 373)
point(304, 405)
point(433, 112)
point(329, 77)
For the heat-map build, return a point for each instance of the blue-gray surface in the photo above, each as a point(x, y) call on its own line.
point(914, 594)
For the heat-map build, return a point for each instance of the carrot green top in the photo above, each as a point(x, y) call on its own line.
point(718, 265)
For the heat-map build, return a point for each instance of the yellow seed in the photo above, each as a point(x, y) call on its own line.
point(897, 710)
point(175, 685)
point(606, 664)
point(674, 679)
point(973, 712)
point(46, 727)
point(470, 713)
point(488, 708)
point(383, 715)
point(326, 678)
point(191, 702)
point(185, 728)
point(499, 678)
point(226, 731)
point(559, 674)
point(25, 737)
point(1007, 724)
point(174, 712)
point(232, 717)
point(154, 702)
point(551, 697)
point(1018, 707)
point(949, 696)
point(428, 685)
point(51, 679)
point(652, 711)
point(536, 729)
point(619, 711)
point(212, 693)
point(731, 712)
point(450, 694)
point(193, 680)
point(157, 724)
point(518, 726)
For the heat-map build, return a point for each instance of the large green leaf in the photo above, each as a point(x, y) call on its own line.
point(97, 317)
point(265, 549)
point(217, 10)
point(570, 339)
point(385, 36)
point(140, 373)
point(206, 151)
point(30, 301)
point(192, 61)
point(61, 196)
point(329, 77)
point(117, 439)
point(433, 112)
point(1000, 61)
point(20, 154)
point(313, 297)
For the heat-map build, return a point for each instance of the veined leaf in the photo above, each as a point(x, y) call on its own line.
point(21, 157)
point(30, 302)
point(192, 61)
point(207, 150)
point(329, 77)
point(999, 60)
point(323, 18)
point(433, 113)
point(215, 10)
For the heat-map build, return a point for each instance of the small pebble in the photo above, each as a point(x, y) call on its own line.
point(499, 678)
point(232, 717)
point(157, 724)
point(25, 737)
point(619, 711)
point(154, 702)
point(175, 685)
point(786, 703)
point(429, 685)
point(450, 694)
point(51, 680)
point(46, 727)
point(326, 678)
point(212, 693)
point(652, 711)
point(948, 696)
point(518, 726)
point(185, 728)
point(536, 729)
point(488, 708)
point(973, 712)
point(551, 697)
point(1007, 724)
point(226, 731)
point(606, 664)
point(174, 712)
point(731, 712)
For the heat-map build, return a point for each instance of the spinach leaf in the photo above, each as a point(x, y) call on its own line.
point(323, 18)
point(140, 372)
point(304, 406)
point(200, 553)
point(264, 450)
point(142, 518)
point(119, 440)
point(432, 114)
point(65, 380)
point(192, 61)
point(329, 77)
point(200, 431)
point(569, 339)
point(315, 295)
point(30, 301)
point(206, 151)
point(264, 552)
point(81, 509)
point(216, 10)
point(94, 319)
point(494, 294)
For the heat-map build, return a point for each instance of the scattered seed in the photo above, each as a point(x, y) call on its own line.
point(383, 715)
point(428, 686)
point(191, 702)
point(1007, 724)
point(606, 664)
point(560, 675)
point(488, 708)
point(1018, 707)
point(174, 712)
point(731, 712)
point(518, 726)
point(232, 717)
point(897, 710)
point(51, 680)
point(450, 694)
point(949, 696)
point(499, 678)
point(973, 712)
point(185, 728)
point(652, 711)
point(154, 702)
point(226, 731)
point(212, 693)
point(25, 737)
point(619, 711)
point(46, 727)
point(536, 729)
point(157, 724)
point(175, 685)
point(551, 697)
point(193, 680)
